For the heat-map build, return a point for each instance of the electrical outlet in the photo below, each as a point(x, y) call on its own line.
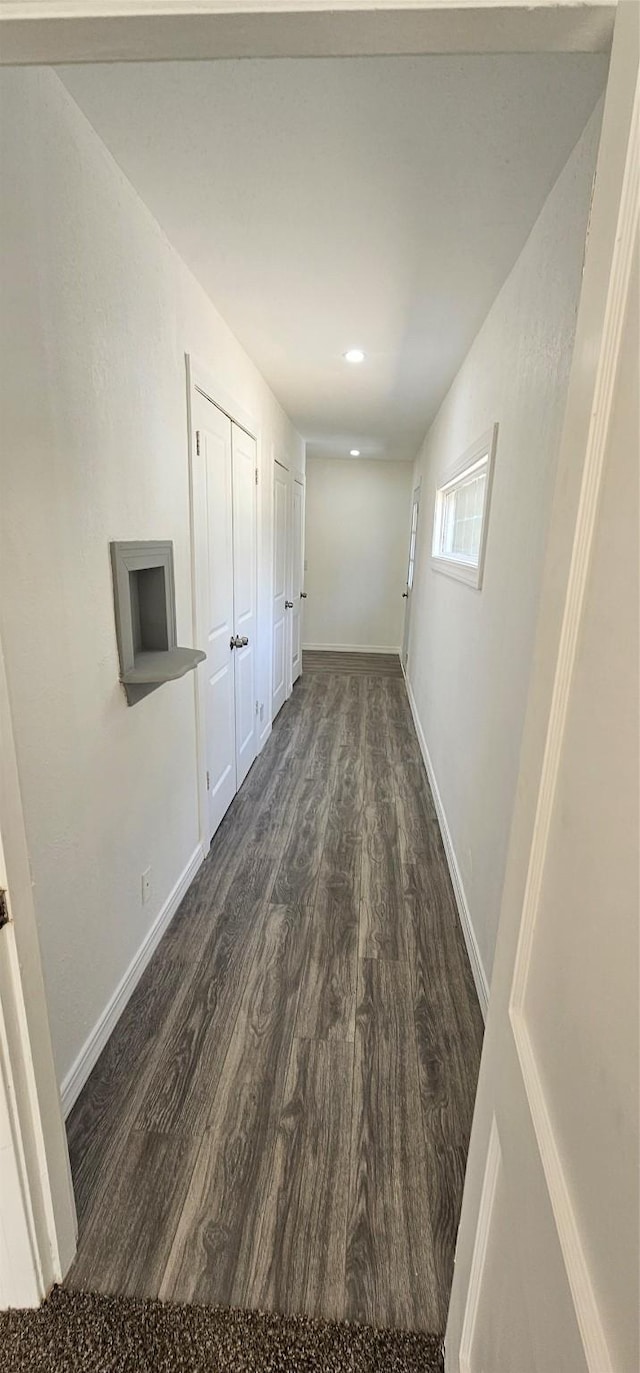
point(146, 885)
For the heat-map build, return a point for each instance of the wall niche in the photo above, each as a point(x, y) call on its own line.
point(145, 610)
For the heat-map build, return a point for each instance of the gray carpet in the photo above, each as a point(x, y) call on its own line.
point(80, 1332)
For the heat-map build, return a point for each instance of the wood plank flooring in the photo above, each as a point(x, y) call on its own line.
point(281, 1117)
point(327, 660)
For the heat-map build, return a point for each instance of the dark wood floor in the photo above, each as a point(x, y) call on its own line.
point(326, 660)
point(281, 1116)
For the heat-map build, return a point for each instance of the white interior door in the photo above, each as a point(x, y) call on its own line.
point(213, 534)
point(280, 637)
point(546, 1273)
point(244, 595)
point(408, 591)
point(297, 575)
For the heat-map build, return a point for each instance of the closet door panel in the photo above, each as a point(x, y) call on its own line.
point(297, 576)
point(244, 593)
point(280, 614)
point(212, 500)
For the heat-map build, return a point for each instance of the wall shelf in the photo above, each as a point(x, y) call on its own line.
point(144, 594)
point(165, 666)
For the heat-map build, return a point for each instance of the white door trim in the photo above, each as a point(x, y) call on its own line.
point(480, 1247)
point(612, 238)
point(49, 32)
point(38, 1223)
point(200, 379)
point(22, 1281)
point(577, 1267)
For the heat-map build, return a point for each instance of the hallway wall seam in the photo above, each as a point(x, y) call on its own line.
point(464, 913)
point(75, 1079)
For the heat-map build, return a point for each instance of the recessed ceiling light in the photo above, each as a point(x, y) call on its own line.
point(354, 355)
point(354, 452)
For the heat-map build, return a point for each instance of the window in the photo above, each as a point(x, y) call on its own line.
point(462, 511)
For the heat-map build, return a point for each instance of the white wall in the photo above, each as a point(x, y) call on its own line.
point(356, 548)
point(97, 313)
point(470, 651)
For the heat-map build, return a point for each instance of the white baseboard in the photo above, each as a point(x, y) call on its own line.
point(348, 648)
point(479, 975)
point(92, 1048)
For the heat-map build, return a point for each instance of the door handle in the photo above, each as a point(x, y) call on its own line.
point(288, 605)
point(244, 641)
point(237, 641)
point(303, 595)
point(405, 595)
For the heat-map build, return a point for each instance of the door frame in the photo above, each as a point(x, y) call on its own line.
point(38, 1214)
point(612, 239)
point(92, 34)
point(202, 381)
point(284, 466)
point(54, 31)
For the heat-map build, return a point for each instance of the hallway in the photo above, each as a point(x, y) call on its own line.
point(281, 1116)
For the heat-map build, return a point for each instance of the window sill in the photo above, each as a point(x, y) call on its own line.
point(462, 572)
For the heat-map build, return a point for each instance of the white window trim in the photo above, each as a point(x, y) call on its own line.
point(451, 565)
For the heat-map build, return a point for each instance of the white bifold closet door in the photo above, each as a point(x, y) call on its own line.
point(297, 576)
point(224, 515)
point(243, 450)
point(288, 574)
point(280, 641)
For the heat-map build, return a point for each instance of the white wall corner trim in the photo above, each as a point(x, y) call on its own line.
point(477, 967)
point(487, 1200)
point(92, 1048)
point(573, 1251)
point(351, 648)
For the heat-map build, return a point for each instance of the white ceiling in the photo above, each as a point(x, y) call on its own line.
point(332, 203)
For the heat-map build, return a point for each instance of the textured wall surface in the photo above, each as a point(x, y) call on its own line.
point(470, 651)
point(97, 314)
point(357, 540)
